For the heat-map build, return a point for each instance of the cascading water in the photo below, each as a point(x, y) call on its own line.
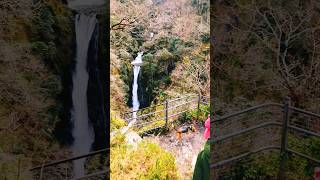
point(135, 101)
point(83, 132)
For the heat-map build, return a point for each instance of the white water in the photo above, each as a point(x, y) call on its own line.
point(135, 101)
point(82, 131)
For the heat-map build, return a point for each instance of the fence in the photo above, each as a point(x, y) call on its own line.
point(160, 115)
point(96, 167)
point(271, 130)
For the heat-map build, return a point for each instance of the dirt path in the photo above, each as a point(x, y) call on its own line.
point(186, 152)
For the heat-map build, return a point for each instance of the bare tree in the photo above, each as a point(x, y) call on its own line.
point(280, 30)
point(199, 73)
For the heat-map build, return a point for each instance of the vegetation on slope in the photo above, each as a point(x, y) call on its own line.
point(148, 161)
point(264, 51)
point(267, 165)
point(33, 57)
point(178, 50)
point(175, 62)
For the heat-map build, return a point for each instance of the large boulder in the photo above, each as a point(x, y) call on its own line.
point(132, 139)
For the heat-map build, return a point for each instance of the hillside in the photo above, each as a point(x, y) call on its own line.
point(174, 39)
point(32, 74)
point(264, 51)
point(260, 56)
point(178, 50)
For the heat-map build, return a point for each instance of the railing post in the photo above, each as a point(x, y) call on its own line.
point(19, 164)
point(166, 114)
point(199, 98)
point(284, 139)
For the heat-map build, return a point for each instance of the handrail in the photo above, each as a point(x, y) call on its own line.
point(245, 111)
point(261, 126)
point(245, 130)
point(146, 115)
point(303, 155)
point(172, 115)
point(163, 118)
point(173, 107)
point(70, 159)
point(93, 174)
point(188, 101)
point(221, 163)
point(303, 130)
point(129, 112)
point(304, 112)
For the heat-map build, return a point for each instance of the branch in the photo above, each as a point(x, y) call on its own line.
point(123, 23)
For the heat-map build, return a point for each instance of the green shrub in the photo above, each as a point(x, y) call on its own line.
point(116, 123)
point(190, 115)
point(52, 35)
point(149, 161)
point(45, 50)
point(205, 38)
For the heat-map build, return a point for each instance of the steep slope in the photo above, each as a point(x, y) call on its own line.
point(30, 78)
point(174, 36)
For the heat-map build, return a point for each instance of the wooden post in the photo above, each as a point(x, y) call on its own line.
point(199, 99)
point(166, 114)
point(284, 139)
point(19, 164)
point(41, 171)
point(66, 167)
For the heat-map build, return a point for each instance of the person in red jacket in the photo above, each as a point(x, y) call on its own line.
point(202, 167)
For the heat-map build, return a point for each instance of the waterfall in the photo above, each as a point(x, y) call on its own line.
point(83, 132)
point(135, 101)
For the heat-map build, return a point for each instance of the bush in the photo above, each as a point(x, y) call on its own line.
point(43, 49)
point(190, 115)
point(164, 55)
point(116, 123)
point(149, 161)
point(205, 38)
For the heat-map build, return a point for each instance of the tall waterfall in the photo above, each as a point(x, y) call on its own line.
point(135, 101)
point(83, 132)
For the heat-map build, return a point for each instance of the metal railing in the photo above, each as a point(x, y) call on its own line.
point(43, 171)
point(259, 129)
point(161, 115)
point(169, 110)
